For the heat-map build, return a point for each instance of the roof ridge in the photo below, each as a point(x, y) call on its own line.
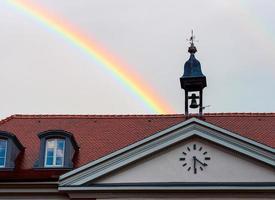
point(243, 114)
point(106, 116)
point(30, 116)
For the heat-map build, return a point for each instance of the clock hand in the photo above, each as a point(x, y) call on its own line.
point(194, 164)
point(203, 164)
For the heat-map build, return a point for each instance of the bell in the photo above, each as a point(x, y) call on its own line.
point(194, 104)
point(193, 98)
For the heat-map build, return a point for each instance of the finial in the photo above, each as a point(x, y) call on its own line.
point(192, 49)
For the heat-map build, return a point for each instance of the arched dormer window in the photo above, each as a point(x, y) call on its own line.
point(57, 148)
point(10, 147)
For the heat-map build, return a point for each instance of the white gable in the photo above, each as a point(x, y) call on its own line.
point(230, 159)
point(167, 166)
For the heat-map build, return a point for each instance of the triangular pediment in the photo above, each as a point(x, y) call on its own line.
point(192, 160)
point(191, 152)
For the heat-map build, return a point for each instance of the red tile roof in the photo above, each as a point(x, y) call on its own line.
point(99, 135)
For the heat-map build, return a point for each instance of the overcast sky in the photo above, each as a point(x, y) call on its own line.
point(41, 73)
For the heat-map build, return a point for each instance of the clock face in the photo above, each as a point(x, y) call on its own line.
point(195, 158)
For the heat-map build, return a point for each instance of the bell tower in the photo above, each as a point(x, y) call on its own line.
point(193, 81)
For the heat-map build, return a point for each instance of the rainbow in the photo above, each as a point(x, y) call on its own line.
point(118, 69)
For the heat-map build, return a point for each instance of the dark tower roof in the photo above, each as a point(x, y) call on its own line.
point(192, 67)
point(193, 79)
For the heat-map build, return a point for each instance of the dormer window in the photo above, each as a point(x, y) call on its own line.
point(10, 148)
point(3, 152)
point(57, 149)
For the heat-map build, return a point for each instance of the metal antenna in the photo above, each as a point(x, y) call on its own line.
point(204, 107)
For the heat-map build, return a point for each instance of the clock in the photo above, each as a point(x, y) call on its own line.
point(195, 158)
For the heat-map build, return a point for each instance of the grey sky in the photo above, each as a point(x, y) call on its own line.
point(42, 73)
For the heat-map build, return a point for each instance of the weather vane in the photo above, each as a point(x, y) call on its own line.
point(192, 38)
point(192, 48)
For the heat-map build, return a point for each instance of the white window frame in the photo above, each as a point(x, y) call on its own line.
point(54, 152)
point(5, 156)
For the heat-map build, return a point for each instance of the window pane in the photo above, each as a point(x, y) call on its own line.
point(2, 152)
point(60, 144)
point(59, 153)
point(2, 162)
point(51, 143)
point(59, 161)
point(50, 152)
point(3, 144)
point(49, 161)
